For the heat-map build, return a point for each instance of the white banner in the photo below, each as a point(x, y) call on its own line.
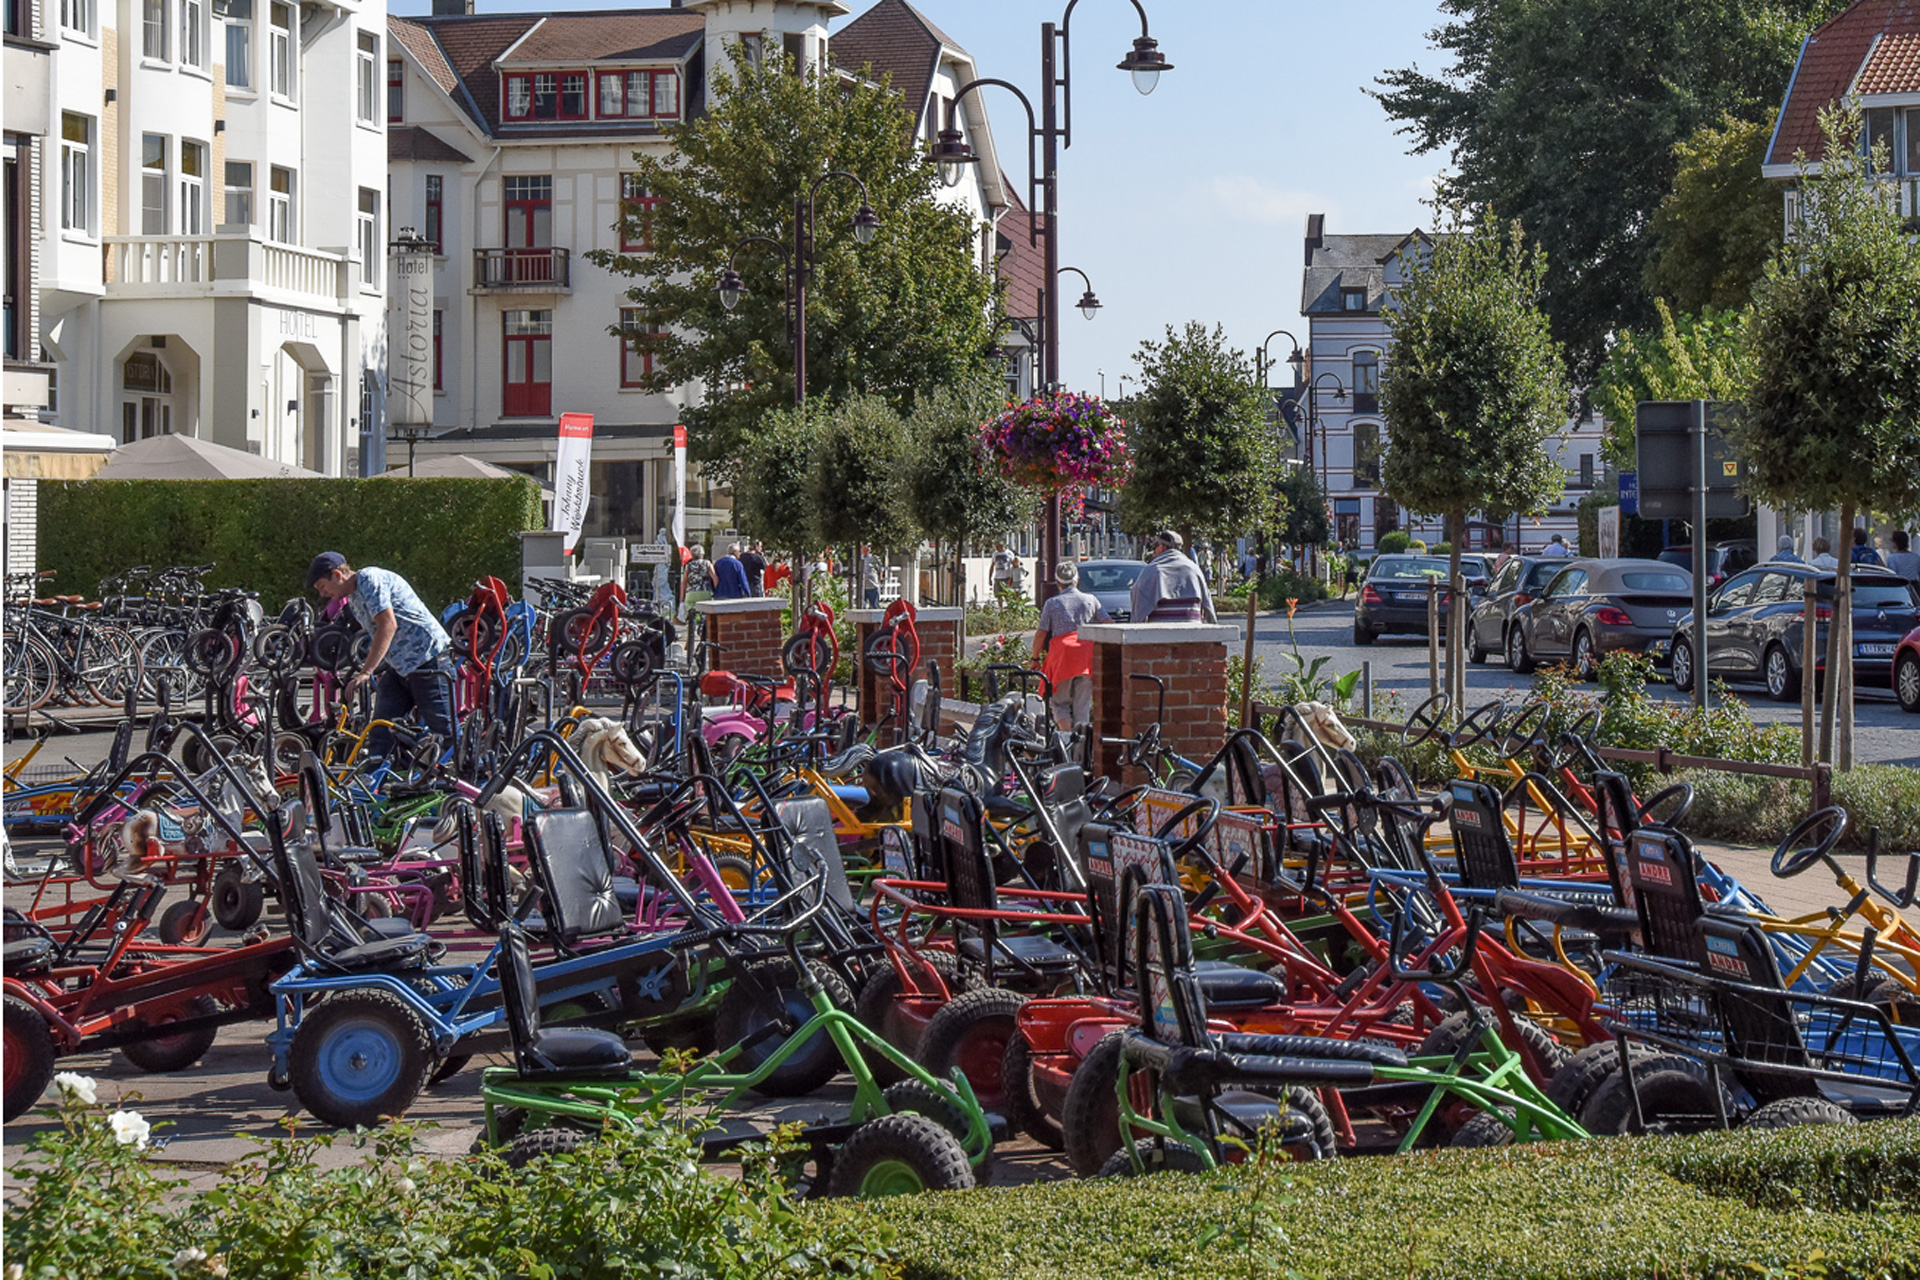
point(1609, 532)
point(679, 485)
point(571, 489)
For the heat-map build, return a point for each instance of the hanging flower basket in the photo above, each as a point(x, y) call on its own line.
point(1059, 442)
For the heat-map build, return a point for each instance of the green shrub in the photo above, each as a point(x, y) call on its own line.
point(260, 534)
point(1008, 613)
point(1393, 542)
point(1417, 547)
point(1440, 549)
point(1276, 589)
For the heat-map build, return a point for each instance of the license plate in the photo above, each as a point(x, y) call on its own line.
point(1873, 650)
point(1415, 597)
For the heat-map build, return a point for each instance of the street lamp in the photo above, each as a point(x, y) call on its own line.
point(1088, 304)
point(1262, 364)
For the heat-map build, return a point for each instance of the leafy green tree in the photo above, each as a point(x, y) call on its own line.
point(1474, 389)
point(858, 485)
point(1704, 357)
point(1300, 509)
point(954, 494)
point(1566, 115)
point(1833, 411)
point(908, 311)
point(1717, 228)
point(770, 487)
point(1203, 457)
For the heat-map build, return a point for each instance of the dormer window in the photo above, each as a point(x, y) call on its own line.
point(1353, 299)
point(639, 95)
point(547, 95)
point(531, 96)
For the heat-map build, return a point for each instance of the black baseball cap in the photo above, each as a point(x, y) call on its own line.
point(323, 564)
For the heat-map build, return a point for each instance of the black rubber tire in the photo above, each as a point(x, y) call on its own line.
point(1307, 1103)
point(1483, 1130)
point(1519, 661)
point(972, 1031)
point(1675, 1095)
point(1173, 1158)
point(184, 924)
point(1362, 636)
point(1090, 1113)
point(911, 1097)
point(1581, 1074)
point(1787, 1113)
point(528, 1147)
point(914, 1141)
point(1584, 671)
point(236, 901)
point(1899, 1000)
point(733, 867)
point(875, 1009)
point(1476, 652)
point(679, 1035)
point(1023, 1110)
point(1680, 669)
point(448, 1067)
point(739, 1014)
point(173, 1053)
point(1446, 1038)
point(388, 1017)
point(1782, 681)
point(30, 1056)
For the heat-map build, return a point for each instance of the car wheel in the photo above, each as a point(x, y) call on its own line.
point(1906, 681)
point(1519, 661)
point(1682, 663)
point(1361, 635)
point(1585, 663)
point(1476, 652)
point(1783, 682)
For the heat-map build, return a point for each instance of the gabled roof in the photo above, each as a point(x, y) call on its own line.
point(1835, 60)
point(1348, 262)
point(894, 37)
point(1023, 266)
point(647, 35)
point(412, 142)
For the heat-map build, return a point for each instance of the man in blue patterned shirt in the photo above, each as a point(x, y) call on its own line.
point(409, 653)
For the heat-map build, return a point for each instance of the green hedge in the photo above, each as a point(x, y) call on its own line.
point(1827, 1201)
point(439, 534)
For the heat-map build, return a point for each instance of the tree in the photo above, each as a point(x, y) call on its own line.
point(1473, 392)
point(1203, 458)
point(1717, 228)
point(1565, 114)
point(908, 311)
point(770, 488)
point(1300, 509)
point(857, 488)
point(953, 493)
point(1833, 411)
point(1704, 357)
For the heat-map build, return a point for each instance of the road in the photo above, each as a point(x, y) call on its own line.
point(1883, 733)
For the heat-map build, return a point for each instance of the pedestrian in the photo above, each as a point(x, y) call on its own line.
point(1785, 554)
point(1556, 546)
point(869, 578)
point(1902, 561)
point(779, 573)
point(1065, 659)
point(1171, 588)
point(730, 575)
point(1823, 555)
point(1862, 553)
point(1005, 573)
point(409, 657)
point(696, 580)
point(754, 561)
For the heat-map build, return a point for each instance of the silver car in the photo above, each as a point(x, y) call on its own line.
point(1111, 583)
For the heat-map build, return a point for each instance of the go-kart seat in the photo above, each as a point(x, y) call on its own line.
point(1030, 950)
point(565, 1053)
point(1230, 986)
point(27, 955)
point(847, 763)
point(325, 932)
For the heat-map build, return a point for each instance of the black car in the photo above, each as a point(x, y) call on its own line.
point(1724, 559)
point(1395, 596)
point(1755, 626)
point(1519, 580)
point(1596, 607)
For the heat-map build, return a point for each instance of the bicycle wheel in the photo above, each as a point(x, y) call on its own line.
point(110, 663)
point(163, 657)
point(29, 670)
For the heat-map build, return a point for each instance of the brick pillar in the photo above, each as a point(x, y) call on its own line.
point(749, 633)
point(942, 639)
point(1190, 656)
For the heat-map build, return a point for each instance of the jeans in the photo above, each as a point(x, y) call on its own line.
point(873, 597)
point(428, 690)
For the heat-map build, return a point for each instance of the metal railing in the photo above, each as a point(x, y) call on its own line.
point(521, 268)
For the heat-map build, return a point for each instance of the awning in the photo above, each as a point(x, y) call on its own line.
point(34, 451)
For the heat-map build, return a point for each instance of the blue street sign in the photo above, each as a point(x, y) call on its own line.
point(1629, 493)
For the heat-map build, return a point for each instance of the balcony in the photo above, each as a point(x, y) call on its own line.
point(230, 265)
point(533, 270)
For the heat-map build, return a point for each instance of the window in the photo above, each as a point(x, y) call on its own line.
point(439, 383)
point(573, 96)
point(637, 205)
point(528, 364)
point(666, 93)
point(1366, 381)
point(796, 49)
point(1879, 136)
point(529, 212)
point(546, 95)
point(396, 90)
point(636, 366)
point(367, 225)
point(193, 188)
point(750, 43)
point(434, 218)
point(1913, 140)
point(635, 95)
point(240, 193)
point(613, 93)
point(239, 44)
point(519, 97)
point(153, 29)
point(76, 173)
point(1353, 299)
point(193, 27)
point(146, 405)
point(153, 184)
point(280, 49)
point(366, 65)
point(1366, 455)
point(1586, 471)
point(280, 222)
point(77, 15)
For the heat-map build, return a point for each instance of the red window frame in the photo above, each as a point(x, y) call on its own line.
point(584, 89)
point(630, 323)
point(435, 218)
point(507, 83)
point(636, 206)
point(529, 398)
point(438, 382)
point(396, 79)
point(638, 106)
point(545, 94)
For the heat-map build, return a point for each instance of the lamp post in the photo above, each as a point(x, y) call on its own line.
point(1053, 130)
point(1262, 365)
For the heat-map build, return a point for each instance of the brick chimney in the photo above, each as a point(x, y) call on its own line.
point(1316, 224)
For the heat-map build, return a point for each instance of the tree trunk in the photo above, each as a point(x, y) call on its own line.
point(1843, 628)
point(1456, 614)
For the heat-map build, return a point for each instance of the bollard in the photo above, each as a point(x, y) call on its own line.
point(1433, 641)
point(1366, 689)
point(1809, 671)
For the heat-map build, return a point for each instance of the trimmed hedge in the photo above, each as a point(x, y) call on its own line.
point(438, 534)
point(1826, 1201)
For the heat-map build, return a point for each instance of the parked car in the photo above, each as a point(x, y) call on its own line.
point(1595, 607)
point(1724, 559)
point(1394, 598)
point(1755, 627)
point(1906, 672)
point(1518, 582)
point(1111, 583)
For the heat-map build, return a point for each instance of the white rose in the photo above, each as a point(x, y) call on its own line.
point(188, 1257)
point(78, 1087)
point(405, 1186)
point(131, 1127)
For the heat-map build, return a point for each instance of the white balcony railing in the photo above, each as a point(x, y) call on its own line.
point(225, 266)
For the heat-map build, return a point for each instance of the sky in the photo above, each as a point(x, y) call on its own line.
point(1191, 203)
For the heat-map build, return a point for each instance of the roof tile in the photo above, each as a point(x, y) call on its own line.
point(1893, 66)
point(1831, 62)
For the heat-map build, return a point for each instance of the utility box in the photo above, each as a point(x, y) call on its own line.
point(542, 555)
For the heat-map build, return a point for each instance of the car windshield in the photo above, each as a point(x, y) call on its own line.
point(1473, 567)
point(1654, 580)
point(1682, 556)
point(1541, 574)
point(1408, 568)
point(1109, 577)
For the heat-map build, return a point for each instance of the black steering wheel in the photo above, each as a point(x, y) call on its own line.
point(1576, 741)
point(1478, 724)
point(1677, 800)
point(1526, 730)
point(1201, 830)
point(1793, 857)
point(1429, 718)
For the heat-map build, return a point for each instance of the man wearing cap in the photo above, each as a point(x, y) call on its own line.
point(1171, 588)
point(1066, 659)
point(409, 653)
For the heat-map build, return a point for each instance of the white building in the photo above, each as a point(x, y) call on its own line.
point(209, 246)
point(511, 137)
point(1347, 283)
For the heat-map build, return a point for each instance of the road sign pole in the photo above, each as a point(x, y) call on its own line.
point(1700, 699)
